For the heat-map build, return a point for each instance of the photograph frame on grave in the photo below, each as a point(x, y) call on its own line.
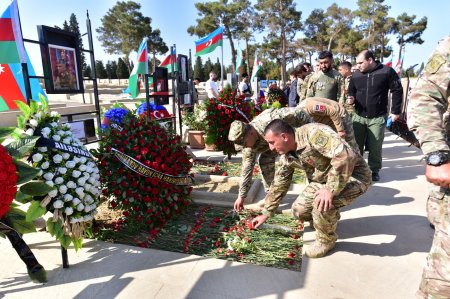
point(161, 86)
point(183, 74)
point(61, 61)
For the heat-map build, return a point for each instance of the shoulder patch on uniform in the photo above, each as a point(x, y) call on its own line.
point(320, 139)
point(435, 62)
point(319, 108)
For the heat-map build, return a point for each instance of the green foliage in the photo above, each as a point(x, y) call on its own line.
point(122, 71)
point(17, 219)
point(25, 171)
point(21, 148)
point(36, 188)
point(24, 108)
point(34, 211)
point(55, 229)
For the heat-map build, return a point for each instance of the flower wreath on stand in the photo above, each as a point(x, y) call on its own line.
point(145, 172)
point(275, 97)
point(221, 112)
point(67, 169)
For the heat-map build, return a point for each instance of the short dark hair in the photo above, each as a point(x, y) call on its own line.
point(301, 68)
point(325, 54)
point(294, 73)
point(197, 78)
point(368, 54)
point(306, 64)
point(346, 64)
point(244, 75)
point(278, 126)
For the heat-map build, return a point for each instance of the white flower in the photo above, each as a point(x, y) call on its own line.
point(76, 173)
point(70, 164)
point(54, 113)
point(33, 123)
point(74, 220)
point(86, 186)
point(88, 218)
point(56, 137)
point(80, 207)
point(90, 164)
point(57, 158)
point(29, 132)
point(63, 189)
point(68, 197)
point(67, 140)
point(87, 208)
point(66, 126)
point(81, 182)
point(58, 204)
point(80, 192)
point(89, 169)
point(53, 193)
point(66, 156)
point(59, 180)
point(40, 172)
point(48, 176)
point(68, 211)
point(42, 149)
point(91, 180)
point(88, 199)
point(82, 167)
point(50, 183)
point(37, 157)
point(86, 175)
point(45, 165)
point(71, 184)
point(61, 133)
point(76, 159)
point(37, 116)
point(83, 160)
point(76, 201)
point(95, 170)
point(62, 170)
point(45, 131)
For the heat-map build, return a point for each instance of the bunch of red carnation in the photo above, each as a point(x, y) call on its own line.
point(221, 112)
point(143, 200)
point(8, 181)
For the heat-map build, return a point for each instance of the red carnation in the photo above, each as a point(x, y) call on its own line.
point(8, 181)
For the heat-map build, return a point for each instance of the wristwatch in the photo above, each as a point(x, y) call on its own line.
point(437, 158)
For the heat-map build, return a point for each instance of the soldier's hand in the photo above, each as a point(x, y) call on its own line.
point(259, 220)
point(323, 199)
point(342, 134)
point(239, 204)
point(438, 175)
point(394, 117)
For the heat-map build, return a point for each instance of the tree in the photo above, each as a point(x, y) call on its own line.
point(111, 69)
point(100, 70)
point(316, 29)
point(218, 13)
point(122, 70)
point(207, 68)
point(339, 20)
point(217, 67)
point(156, 45)
point(87, 72)
point(283, 22)
point(408, 31)
point(198, 69)
point(124, 27)
point(72, 26)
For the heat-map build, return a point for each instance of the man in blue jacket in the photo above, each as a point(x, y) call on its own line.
point(368, 89)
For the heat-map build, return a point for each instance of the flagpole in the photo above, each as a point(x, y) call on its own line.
point(222, 65)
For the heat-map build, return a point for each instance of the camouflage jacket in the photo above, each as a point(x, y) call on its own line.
point(429, 101)
point(324, 111)
point(292, 116)
point(325, 85)
point(324, 157)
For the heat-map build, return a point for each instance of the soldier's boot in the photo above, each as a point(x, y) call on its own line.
point(319, 249)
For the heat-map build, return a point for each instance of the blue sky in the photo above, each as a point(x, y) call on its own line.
point(173, 17)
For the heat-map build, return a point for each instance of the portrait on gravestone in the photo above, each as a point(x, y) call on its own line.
point(63, 68)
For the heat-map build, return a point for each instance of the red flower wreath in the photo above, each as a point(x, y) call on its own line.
point(8, 181)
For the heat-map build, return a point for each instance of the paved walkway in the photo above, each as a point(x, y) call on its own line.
point(383, 241)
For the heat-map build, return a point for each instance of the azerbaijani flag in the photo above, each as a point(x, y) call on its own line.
point(389, 62)
point(139, 69)
point(209, 43)
point(398, 66)
point(256, 66)
point(239, 60)
point(11, 41)
point(167, 62)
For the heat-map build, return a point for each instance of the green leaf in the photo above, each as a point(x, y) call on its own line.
point(44, 102)
point(65, 241)
point(17, 218)
point(34, 107)
point(26, 172)
point(6, 131)
point(36, 188)
point(55, 228)
point(21, 121)
point(77, 243)
point(22, 147)
point(34, 211)
point(23, 198)
point(51, 226)
point(24, 108)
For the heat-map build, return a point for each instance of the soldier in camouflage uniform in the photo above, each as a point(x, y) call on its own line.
point(337, 176)
point(429, 101)
point(332, 114)
point(251, 138)
point(345, 69)
point(326, 83)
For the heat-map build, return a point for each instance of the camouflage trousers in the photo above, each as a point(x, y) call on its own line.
point(436, 274)
point(325, 223)
point(266, 162)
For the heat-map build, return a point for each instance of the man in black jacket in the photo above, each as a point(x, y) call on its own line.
point(368, 89)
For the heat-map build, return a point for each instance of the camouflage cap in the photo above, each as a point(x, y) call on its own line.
point(238, 130)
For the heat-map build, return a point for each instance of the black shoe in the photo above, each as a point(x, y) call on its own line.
point(375, 177)
point(432, 225)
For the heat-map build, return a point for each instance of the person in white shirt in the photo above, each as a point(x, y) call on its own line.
point(211, 86)
point(244, 88)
